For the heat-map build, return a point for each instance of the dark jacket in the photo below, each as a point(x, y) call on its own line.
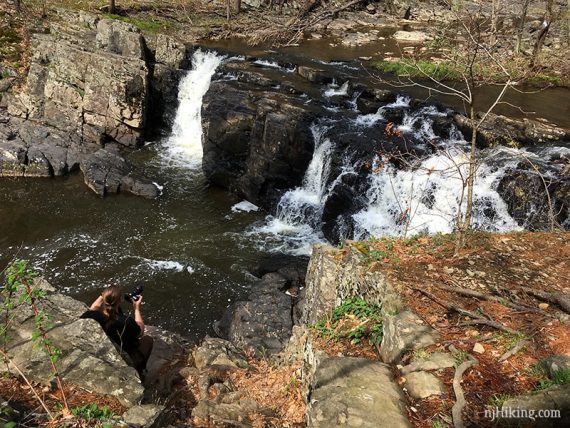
point(124, 331)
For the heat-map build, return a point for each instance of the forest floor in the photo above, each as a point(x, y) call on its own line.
point(511, 279)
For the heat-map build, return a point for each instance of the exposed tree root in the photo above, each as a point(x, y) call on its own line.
point(460, 402)
point(476, 319)
point(559, 298)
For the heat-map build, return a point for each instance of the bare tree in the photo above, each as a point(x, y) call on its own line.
point(543, 32)
point(522, 20)
point(470, 52)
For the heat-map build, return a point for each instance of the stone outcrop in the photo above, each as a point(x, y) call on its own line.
point(86, 98)
point(256, 144)
point(501, 130)
point(264, 322)
point(335, 275)
point(88, 358)
point(343, 394)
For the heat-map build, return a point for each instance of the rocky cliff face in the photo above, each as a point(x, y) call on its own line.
point(86, 99)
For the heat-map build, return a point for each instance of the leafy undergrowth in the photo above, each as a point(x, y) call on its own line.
point(501, 268)
point(88, 409)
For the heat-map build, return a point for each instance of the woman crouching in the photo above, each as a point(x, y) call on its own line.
point(125, 331)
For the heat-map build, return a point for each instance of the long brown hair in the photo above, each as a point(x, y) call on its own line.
point(111, 300)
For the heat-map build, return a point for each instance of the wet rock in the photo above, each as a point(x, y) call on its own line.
point(314, 75)
point(257, 145)
point(107, 172)
point(527, 200)
point(403, 332)
point(500, 130)
point(434, 361)
point(355, 392)
point(145, 416)
point(422, 385)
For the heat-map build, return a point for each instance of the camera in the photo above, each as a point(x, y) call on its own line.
point(135, 294)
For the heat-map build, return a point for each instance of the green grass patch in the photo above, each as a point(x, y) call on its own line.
point(356, 320)
point(559, 377)
point(545, 78)
point(421, 68)
point(151, 25)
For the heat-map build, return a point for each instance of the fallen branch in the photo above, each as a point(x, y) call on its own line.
point(466, 292)
point(521, 344)
point(477, 319)
point(457, 408)
point(559, 298)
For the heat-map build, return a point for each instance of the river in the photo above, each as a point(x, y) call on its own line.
point(191, 247)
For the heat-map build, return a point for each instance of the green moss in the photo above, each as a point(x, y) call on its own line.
point(541, 78)
point(440, 71)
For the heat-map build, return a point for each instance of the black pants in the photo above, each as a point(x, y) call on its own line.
point(141, 353)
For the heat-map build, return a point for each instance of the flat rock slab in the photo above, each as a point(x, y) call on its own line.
point(435, 361)
point(403, 332)
point(423, 384)
point(355, 392)
point(556, 398)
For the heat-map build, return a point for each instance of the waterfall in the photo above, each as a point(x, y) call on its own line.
point(299, 211)
point(184, 146)
point(426, 199)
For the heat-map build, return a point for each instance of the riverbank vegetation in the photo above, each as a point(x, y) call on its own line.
point(532, 53)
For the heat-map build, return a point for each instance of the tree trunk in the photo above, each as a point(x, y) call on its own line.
point(228, 10)
point(237, 6)
point(464, 222)
point(522, 18)
point(18, 5)
point(494, 21)
point(112, 8)
point(542, 33)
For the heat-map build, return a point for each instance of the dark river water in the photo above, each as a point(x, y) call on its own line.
point(188, 246)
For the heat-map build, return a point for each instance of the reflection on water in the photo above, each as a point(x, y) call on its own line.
point(187, 246)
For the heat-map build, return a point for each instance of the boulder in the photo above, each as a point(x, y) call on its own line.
point(219, 352)
point(402, 332)
point(263, 323)
point(355, 392)
point(145, 416)
point(434, 361)
point(88, 358)
point(422, 384)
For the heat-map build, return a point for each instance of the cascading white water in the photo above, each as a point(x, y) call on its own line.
point(184, 146)
point(426, 199)
point(299, 210)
